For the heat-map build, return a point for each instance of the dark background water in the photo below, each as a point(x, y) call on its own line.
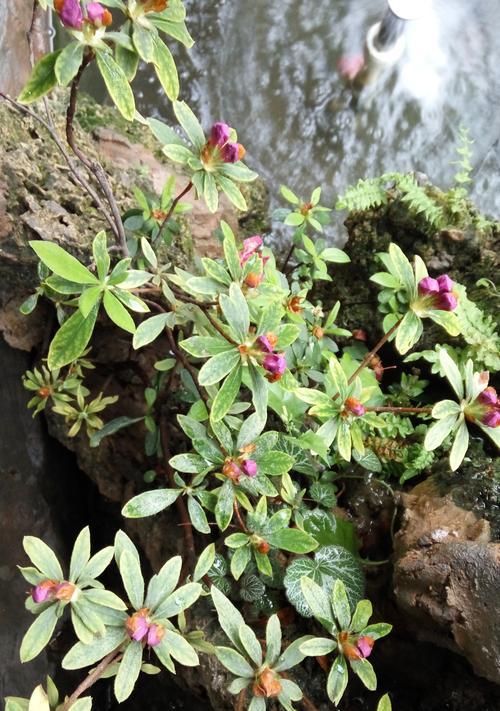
point(269, 69)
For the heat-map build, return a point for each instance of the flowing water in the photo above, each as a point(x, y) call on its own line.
point(269, 69)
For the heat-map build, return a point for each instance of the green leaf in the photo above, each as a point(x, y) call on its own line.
point(39, 634)
point(118, 313)
point(251, 644)
point(210, 192)
point(289, 195)
point(42, 79)
point(333, 254)
point(337, 680)
point(460, 446)
point(227, 395)
point(450, 368)
point(230, 251)
point(150, 503)
point(179, 600)
point(61, 263)
point(240, 560)
point(43, 557)
point(318, 647)
point(234, 662)
point(128, 671)
point(205, 562)
point(180, 649)
point(218, 367)
point(292, 654)
point(178, 153)
point(133, 582)
point(84, 655)
point(163, 583)
point(143, 39)
point(203, 346)
point(88, 299)
point(163, 133)
point(273, 640)
point(340, 605)
point(190, 124)
point(408, 332)
point(437, 433)
point(82, 704)
point(111, 427)
point(232, 192)
point(15, 703)
point(106, 598)
point(275, 463)
point(362, 614)
point(293, 540)
point(385, 279)
point(378, 630)
point(68, 63)
point(230, 619)
point(224, 506)
point(189, 463)
point(80, 555)
point(149, 330)
point(97, 564)
point(403, 268)
point(197, 515)
point(330, 563)
point(365, 671)
point(117, 85)
point(71, 339)
point(235, 310)
point(385, 703)
point(165, 68)
point(127, 60)
point(318, 603)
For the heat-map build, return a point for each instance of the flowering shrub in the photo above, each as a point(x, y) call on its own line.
point(275, 409)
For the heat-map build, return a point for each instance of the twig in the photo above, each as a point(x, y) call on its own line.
point(172, 208)
point(238, 516)
point(186, 525)
point(90, 679)
point(92, 165)
point(49, 127)
point(288, 257)
point(401, 410)
point(373, 351)
point(240, 701)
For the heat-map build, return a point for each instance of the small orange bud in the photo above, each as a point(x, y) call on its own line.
point(241, 151)
point(318, 332)
point(351, 652)
point(231, 470)
point(58, 5)
point(44, 392)
point(267, 684)
point(107, 18)
point(253, 280)
point(65, 591)
point(294, 306)
point(264, 547)
point(306, 207)
point(359, 334)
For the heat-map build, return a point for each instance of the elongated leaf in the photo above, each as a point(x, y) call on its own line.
point(293, 540)
point(224, 506)
point(165, 68)
point(408, 333)
point(235, 310)
point(80, 555)
point(437, 433)
point(163, 583)
point(180, 649)
point(232, 192)
point(337, 680)
point(150, 503)
point(251, 643)
point(72, 339)
point(230, 618)
point(117, 85)
point(340, 604)
point(43, 557)
point(179, 600)
point(190, 124)
point(42, 79)
point(84, 655)
point(133, 581)
point(205, 562)
point(197, 515)
point(452, 372)
point(118, 313)
point(39, 634)
point(318, 646)
point(149, 330)
point(143, 39)
point(62, 263)
point(218, 367)
point(234, 662)
point(459, 447)
point(128, 671)
point(68, 63)
point(226, 395)
point(365, 671)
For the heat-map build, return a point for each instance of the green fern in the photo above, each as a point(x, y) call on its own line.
point(365, 195)
point(420, 202)
point(479, 331)
point(465, 154)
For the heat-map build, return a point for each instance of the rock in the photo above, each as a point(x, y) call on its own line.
point(447, 577)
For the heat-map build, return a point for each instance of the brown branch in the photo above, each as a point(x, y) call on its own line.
point(172, 208)
point(186, 525)
point(374, 350)
point(287, 258)
point(49, 127)
point(238, 516)
point(401, 410)
point(90, 679)
point(93, 166)
point(240, 701)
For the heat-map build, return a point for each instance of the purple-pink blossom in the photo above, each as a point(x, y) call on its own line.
point(354, 407)
point(275, 363)
point(137, 625)
point(486, 407)
point(230, 152)
point(98, 15)
point(44, 591)
point(488, 396)
point(265, 343)
point(70, 13)
point(365, 646)
point(491, 418)
point(251, 245)
point(438, 292)
point(249, 467)
point(219, 134)
point(155, 635)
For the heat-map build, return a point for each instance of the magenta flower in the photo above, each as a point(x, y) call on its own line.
point(365, 646)
point(354, 407)
point(491, 418)
point(230, 152)
point(219, 135)
point(428, 286)
point(44, 591)
point(488, 396)
point(99, 15)
point(265, 344)
point(137, 625)
point(439, 292)
point(70, 12)
point(155, 635)
point(275, 363)
point(249, 467)
point(250, 246)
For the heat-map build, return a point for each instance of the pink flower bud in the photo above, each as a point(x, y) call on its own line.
point(249, 467)
point(137, 625)
point(446, 301)
point(98, 14)
point(275, 363)
point(428, 286)
point(354, 407)
point(155, 635)
point(250, 247)
point(488, 396)
point(44, 591)
point(230, 152)
point(70, 13)
point(219, 135)
point(265, 344)
point(365, 646)
point(491, 418)
point(445, 283)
